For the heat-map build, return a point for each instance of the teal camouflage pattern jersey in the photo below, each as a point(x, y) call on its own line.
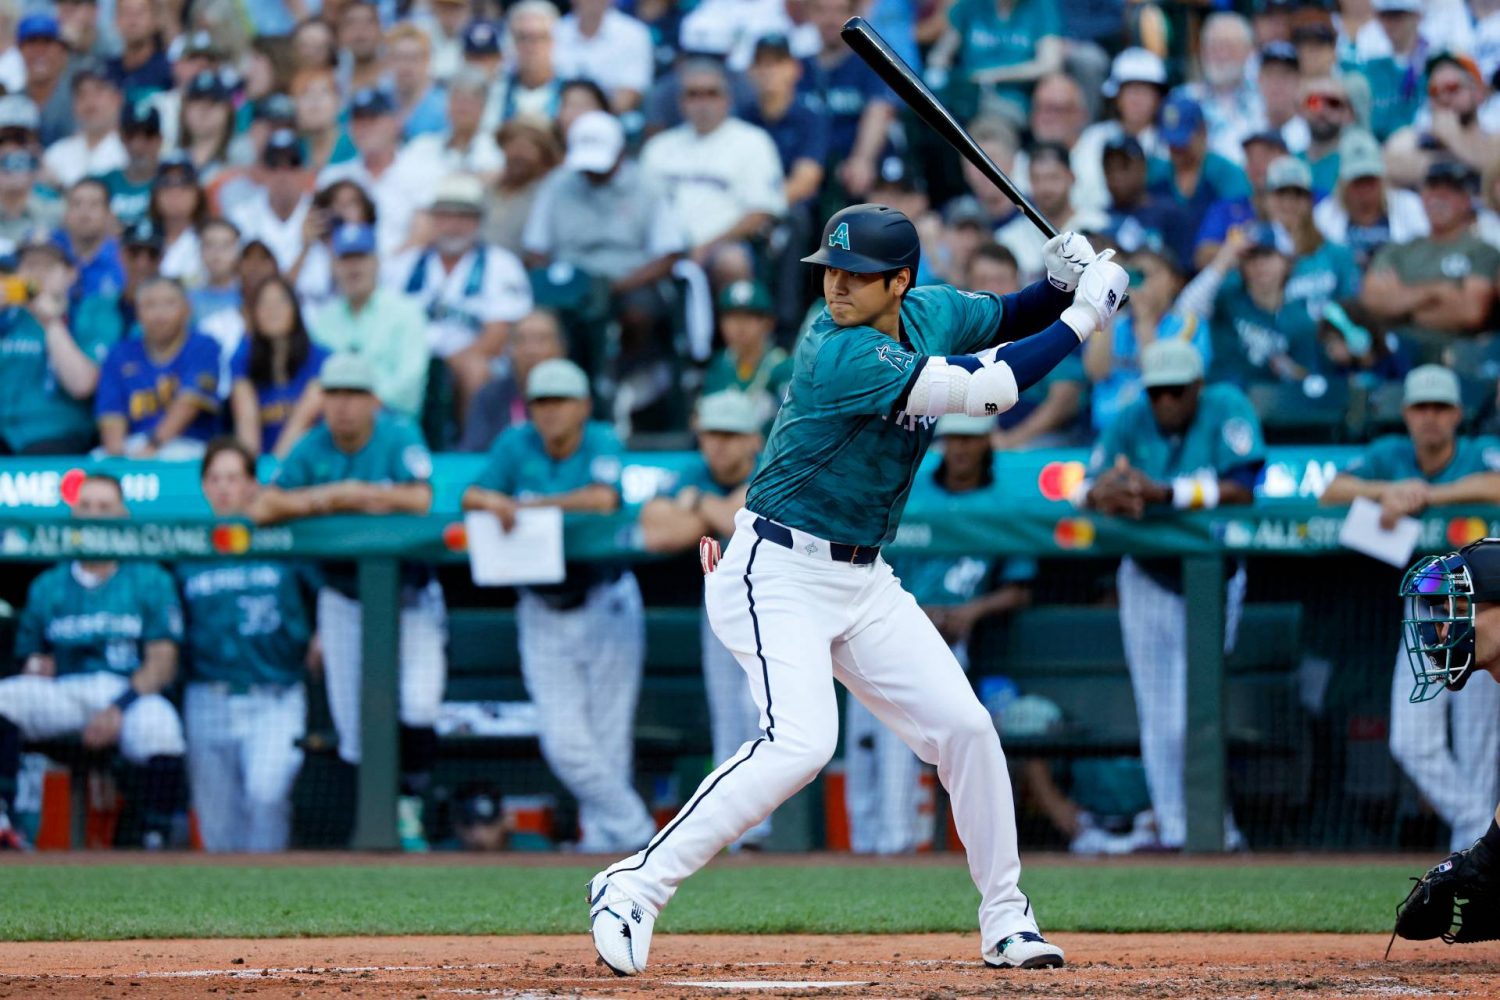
point(100, 628)
point(1225, 435)
point(247, 622)
point(1392, 459)
point(843, 451)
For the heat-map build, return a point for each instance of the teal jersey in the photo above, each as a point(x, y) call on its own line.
point(519, 466)
point(1246, 338)
point(1397, 93)
point(1220, 180)
point(991, 40)
point(1224, 438)
point(128, 201)
point(843, 450)
point(1327, 275)
point(33, 406)
point(88, 629)
point(697, 475)
point(944, 581)
point(395, 453)
point(247, 622)
point(1392, 458)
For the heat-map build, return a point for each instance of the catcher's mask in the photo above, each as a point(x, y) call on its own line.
point(1439, 624)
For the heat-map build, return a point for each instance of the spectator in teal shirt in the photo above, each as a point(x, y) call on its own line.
point(1322, 271)
point(1192, 175)
point(1003, 47)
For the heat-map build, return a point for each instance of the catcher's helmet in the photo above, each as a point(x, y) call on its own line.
point(1440, 594)
point(868, 239)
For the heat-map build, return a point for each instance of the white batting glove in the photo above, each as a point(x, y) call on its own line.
point(1066, 255)
point(1100, 292)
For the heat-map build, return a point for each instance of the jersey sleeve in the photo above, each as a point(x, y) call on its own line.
point(239, 365)
point(109, 395)
point(1241, 442)
point(1114, 442)
point(199, 372)
point(976, 321)
point(606, 457)
point(296, 470)
point(161, 611)
point(862, 372)
point(499, 472)
point(1377, 462)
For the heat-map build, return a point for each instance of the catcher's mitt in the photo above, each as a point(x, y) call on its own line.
point(1458, 900)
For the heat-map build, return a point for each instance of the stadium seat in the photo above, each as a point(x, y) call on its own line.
point(1290, 416)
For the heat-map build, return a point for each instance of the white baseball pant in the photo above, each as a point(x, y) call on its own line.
point(881, 785)
point(242, 760)
point(1459, 776)
point(582, 669)
point(1153, 624)
point(424, 660)
point(44, 708)
point(733, 717)
point(796, 622)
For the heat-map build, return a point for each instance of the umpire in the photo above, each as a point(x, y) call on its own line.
point(582, 640)
point(363, 460)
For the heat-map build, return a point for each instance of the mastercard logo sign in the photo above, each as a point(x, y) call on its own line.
point(1463, 530)
point(231, 539)
point(68, 488)
point(456, 537)
point(1073, 533)
point(1058, 480)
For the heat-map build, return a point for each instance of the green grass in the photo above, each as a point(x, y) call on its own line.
point(99, 902)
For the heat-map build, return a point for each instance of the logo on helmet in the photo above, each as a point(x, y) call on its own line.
point(840, 236)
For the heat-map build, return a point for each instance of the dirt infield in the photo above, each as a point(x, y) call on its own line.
point(924, 967)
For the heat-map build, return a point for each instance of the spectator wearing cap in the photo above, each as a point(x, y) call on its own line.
point(80, 30)
point(1002, 47)
point(95, 149)
point(537, 337)
point(87, 238)
point(444, 22)
point(216, 300)
point(275, 396)
point(730, 28)
point(142, 67)
point(179, 208)
point(532, 151)
point(1279, 82)
point(1261, 150)
point(49, 369)
point(316, 104)
point(398, 179)
point(463, 146)
point(338, 201)
point(241, 182)
point(140, 260)
point(18, 124)
point(1227, 94)
point(1329, 106)
point(130, 185)
point(1136, 85)
point(314, 45)
point(598, 42)
point(420, 103)
point(1366, 213)
point(205, 125)
point(23, 210)
point(48, 75)
point(1051, 177)
point(472, 292)
point(1322, 271)
point(860, 108)
point(12, 66)
point(578, 97)
point(1448, 127)
point(376, 321)
point(481, 49)
point(1316, 45)
point(360, 42)
point(750, 364)
point(277, 212)
point(797, 125)
point(602, 214)
point(1391, 52)
point(721, 175)
point(1193, 175)
point(532, 87)
point(1440, 286)
point(158, 393)
point(1136, 213)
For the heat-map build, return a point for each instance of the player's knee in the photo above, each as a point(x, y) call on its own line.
point(151, 728)
point(971, 724)
point(811, 751)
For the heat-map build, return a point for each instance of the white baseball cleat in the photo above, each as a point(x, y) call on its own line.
point(621, 927)
point(1025, 950)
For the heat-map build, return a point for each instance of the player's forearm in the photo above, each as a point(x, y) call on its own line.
point(667, 526)
point(112, 435)
point(158, 668)
point(272, 506)
point(309, 408)
point(397, 498)
point(874, 127)
point(596, 498)
point(804, 181)
point(1481, 487)
point(179, 416)
point(1345, 489)
point(76, 372)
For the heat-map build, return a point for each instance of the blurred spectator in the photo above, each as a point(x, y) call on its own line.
point(130, 184)
point(1322, 271)
point(471, 291)
point(337, 202)
point(443, 22)
point(965, 227)
point(87, 238)
point(18, 124)
point(598, 42)
point(1390, 53)
point(360, 41)
point(314, 45)
point(49, 370)
point(79, 29)
point(421, 105)
point(216, 299)
point(237, 182)
point(750, 363)
point(1317, 46)
point(179, 208)
point(97, 643)
point(142, 67)
point(158, 394)
point(375, 322)
point(481, 50)
point(1052, 182)
point(479, 821)
point(1187, 446)
point(860, 109)
point(1330, 113)
point(463, 147)
point(277, 213)
point(1137, 214)
point(206, 125)
point(560, 458)
point(532, 86)
point(1261, 150)
point(1137, 82)
point(325, 140)
point(797, 126)
point(999, 142)
point(23, 209)
point(721, 176)
point(276, 397)
point(249, 640)
point(1449, 128)
point(1441, 286)
point(1059, 114)
point(992, 268)
point(502, 402)
point(730, 29)
point(1280, 86)
point(577, 99)
point(1487, 226)
point(1192, 175)
point(1227, 94)
point(12, 66)
point(1260, 334)
point(399, 179)
point(1366, 213)
point(49, 76)
point(1002, 47)
point(95, 148)
point(257, 264)
point(531, 152)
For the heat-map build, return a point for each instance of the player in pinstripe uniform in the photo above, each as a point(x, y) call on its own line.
point(704, 503)
point(1186, 446)
point(249, 638)
point(363, 460)
point(98, 644)
point(583, 641)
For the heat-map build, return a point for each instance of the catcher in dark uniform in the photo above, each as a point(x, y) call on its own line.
point(1452, 629)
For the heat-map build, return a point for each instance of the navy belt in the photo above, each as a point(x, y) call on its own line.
point(780, 534)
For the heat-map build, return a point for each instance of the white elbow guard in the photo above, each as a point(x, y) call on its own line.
point(992, 390)
point(943, 388)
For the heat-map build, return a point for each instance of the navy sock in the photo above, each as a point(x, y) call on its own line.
point(419, 748)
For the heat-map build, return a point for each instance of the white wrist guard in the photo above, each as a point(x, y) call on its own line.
point(1196, 492)
point(943, 388)
point(1081, 318)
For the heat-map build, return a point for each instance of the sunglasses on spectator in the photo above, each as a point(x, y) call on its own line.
point(1332, 102)
point(174, 180)
point(1163, 391)
point(141, 250)
point(1449, 89)
point(530, 36)
point(702, 93)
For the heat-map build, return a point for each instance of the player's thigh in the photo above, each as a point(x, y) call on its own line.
point(47, 707)
point(270, 756)
point(551, 666)
point(150, 728)
point(1417, 729)
point(424, 659)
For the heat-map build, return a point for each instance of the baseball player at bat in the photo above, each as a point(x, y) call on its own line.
point(802, 597)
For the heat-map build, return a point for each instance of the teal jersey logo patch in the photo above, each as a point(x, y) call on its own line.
point(895, 357)
point(840, 236)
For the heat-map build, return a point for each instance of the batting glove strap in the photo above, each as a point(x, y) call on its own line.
point(1066, 255)
point(1102, 287)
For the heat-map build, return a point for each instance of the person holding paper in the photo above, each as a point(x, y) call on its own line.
point(583, 641)
point(1429, 466)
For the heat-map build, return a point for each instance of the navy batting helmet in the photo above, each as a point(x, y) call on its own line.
point(868, 239)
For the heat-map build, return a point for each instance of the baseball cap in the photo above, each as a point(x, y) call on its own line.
point(775, 43)
point(1279, 52)
point(1262, 236)
point(368, 102)
point(199, 43)
point(206, 85)
point(963, 425)
point(276, 108)
point(142, 233)
point(18, 161)
point(595, 141)
point(727, 412)
point(353, 238)
point(1270, 137)
point(38, 26)
point(1170, 362)
point(459, 194)
point(283, 148)
point(349, 372)
point(1359, 156)
point(1431, 384)
point(1288, 172)
point(1125, 145)
point(965, 210)
point(19, 111)
point(1397, 6)
point(1463, 62)
point(177, 163)
point(557, 378)
point(92, 69)
point(1453, 173)
point(1180, 120)
point(1135, 65)
point(746, 296)
point(139, 118)
point(481, 39)
point(1316, 33)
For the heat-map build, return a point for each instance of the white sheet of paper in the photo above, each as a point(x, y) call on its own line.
point(529, 553)
point(1362, 533)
